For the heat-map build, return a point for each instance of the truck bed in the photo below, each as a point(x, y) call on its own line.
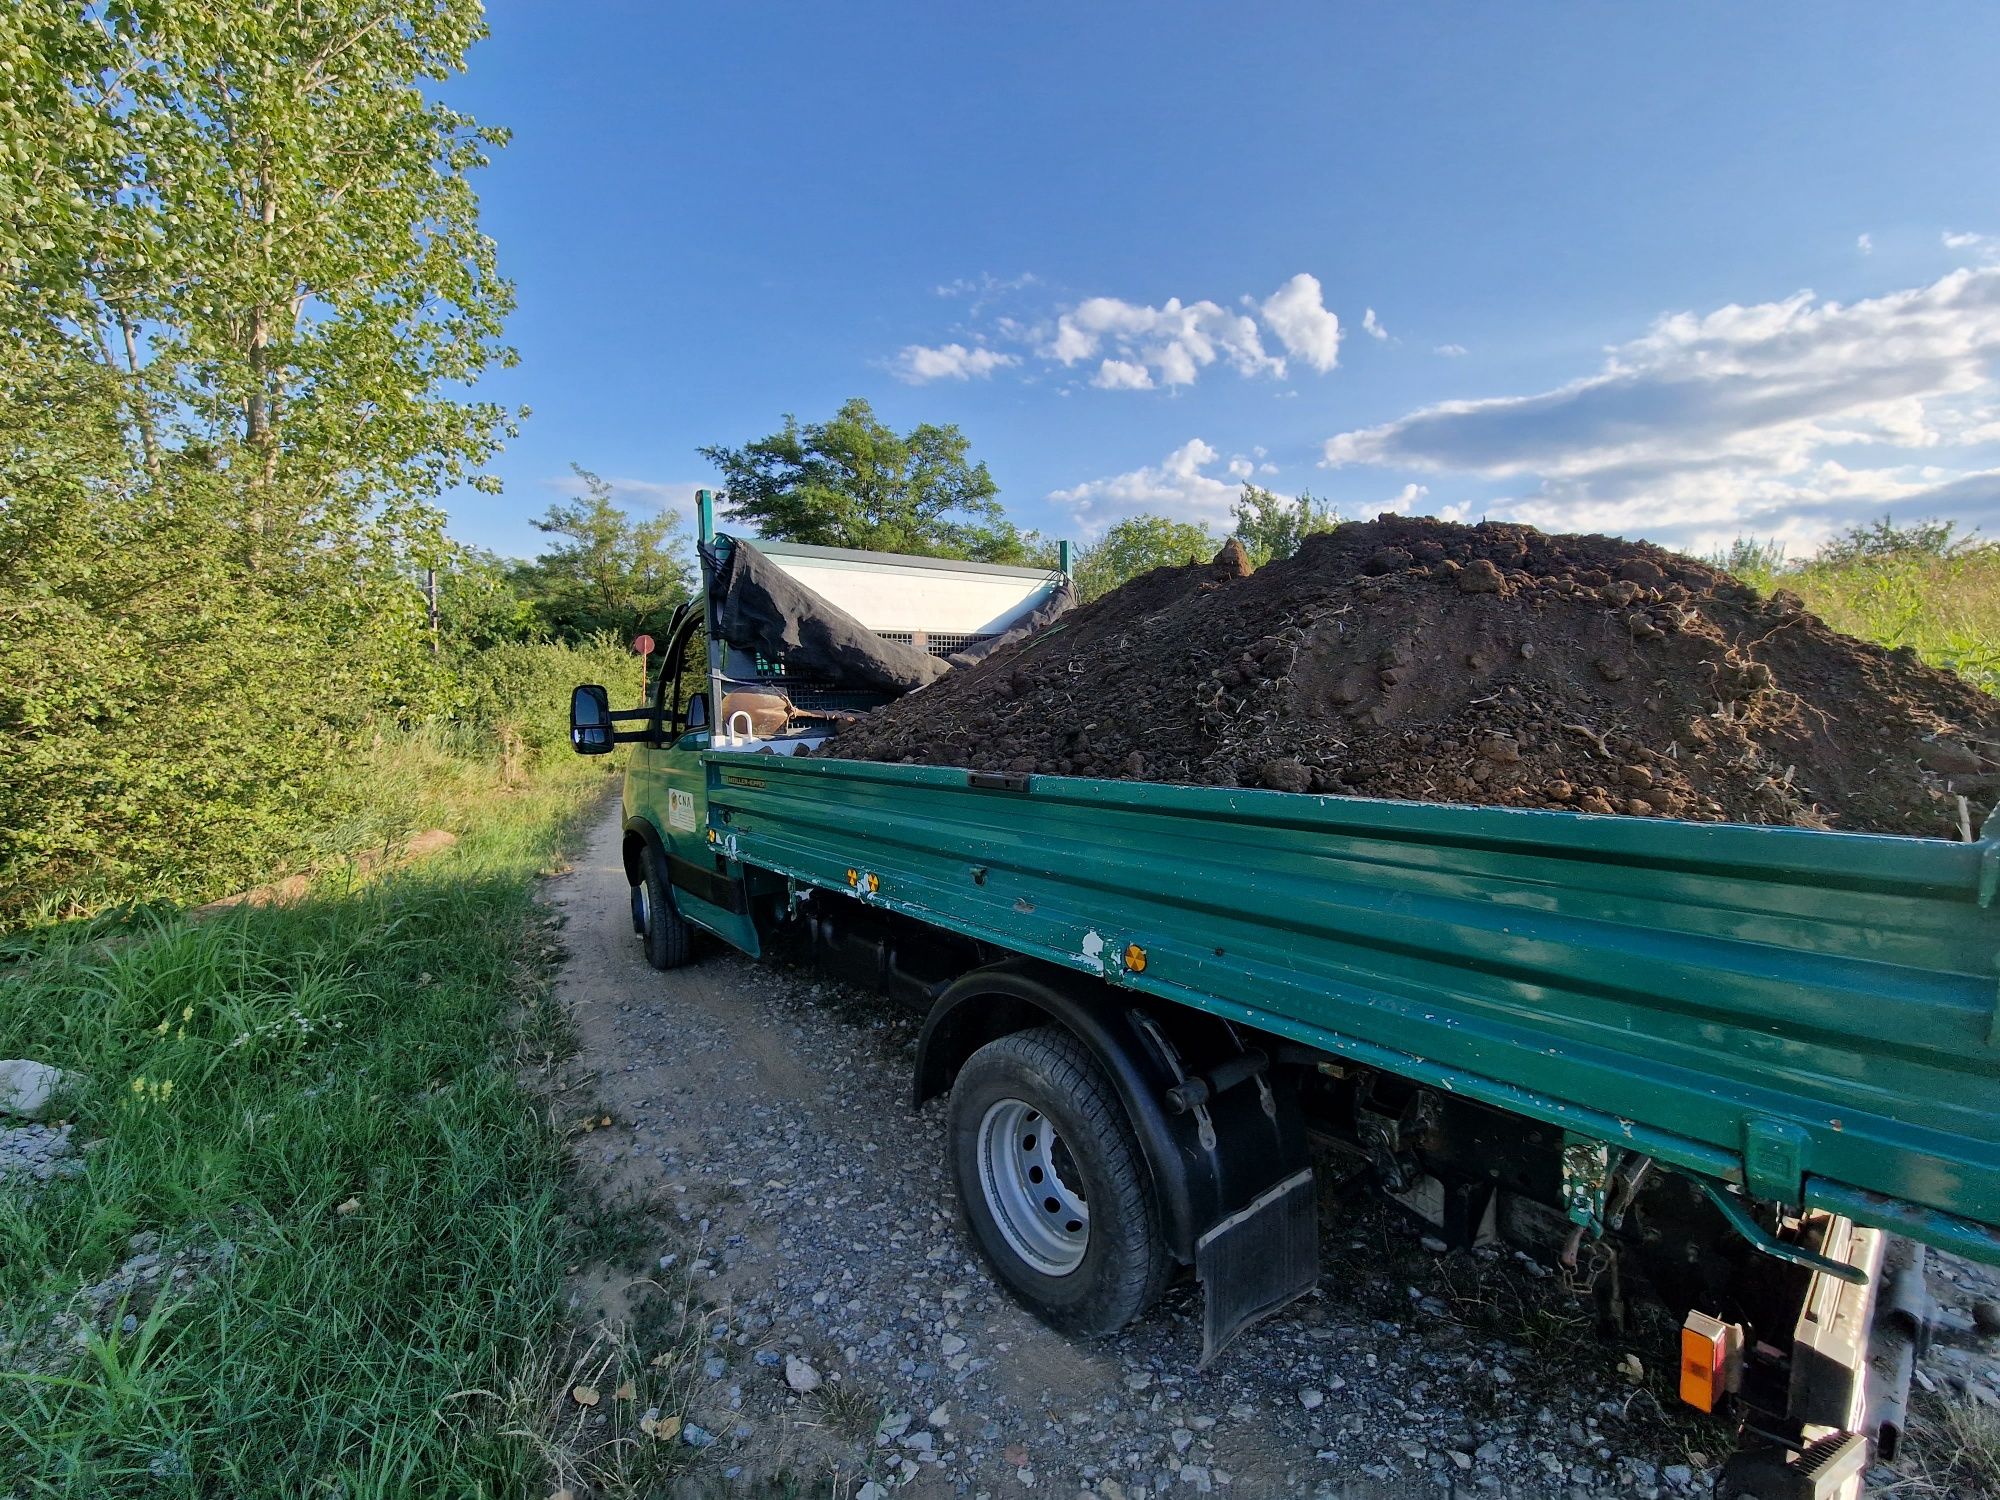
point(1811, 1016)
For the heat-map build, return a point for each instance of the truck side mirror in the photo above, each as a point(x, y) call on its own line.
point(697, 711)
point(590, 720)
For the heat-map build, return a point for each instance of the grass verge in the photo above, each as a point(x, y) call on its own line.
point(359, 1215)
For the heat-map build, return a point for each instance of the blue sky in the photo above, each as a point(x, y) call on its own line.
point(1683, 274)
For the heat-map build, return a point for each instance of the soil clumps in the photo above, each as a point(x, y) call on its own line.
point(1414, 659)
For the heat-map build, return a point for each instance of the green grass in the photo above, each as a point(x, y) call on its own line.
point(1944, 605)
point(1946, 609)
point(345, 1111)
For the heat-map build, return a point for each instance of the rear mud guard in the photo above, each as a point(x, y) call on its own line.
point(1257, 1260)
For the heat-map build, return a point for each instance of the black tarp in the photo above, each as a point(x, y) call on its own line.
point(1061, 600)
point(762, 608)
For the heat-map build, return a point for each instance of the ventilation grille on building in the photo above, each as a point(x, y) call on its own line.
point(937, 642)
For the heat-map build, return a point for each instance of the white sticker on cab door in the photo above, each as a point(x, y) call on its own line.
point(680, 810)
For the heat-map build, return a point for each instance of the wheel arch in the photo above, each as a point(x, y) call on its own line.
point(1196, 1181)
point(639, 832)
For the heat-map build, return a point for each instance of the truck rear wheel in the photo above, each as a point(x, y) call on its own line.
point(667, 936)
point(1053, 1185)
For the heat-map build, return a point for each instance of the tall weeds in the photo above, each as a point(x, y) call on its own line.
point(1917, 586)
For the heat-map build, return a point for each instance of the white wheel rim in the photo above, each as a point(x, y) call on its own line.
point(1032, 1188)
point(645, 907)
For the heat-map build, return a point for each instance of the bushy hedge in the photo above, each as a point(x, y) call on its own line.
point(522, 690)
point(195, 775)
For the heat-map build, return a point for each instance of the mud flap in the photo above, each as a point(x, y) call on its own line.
point(1258, 1259)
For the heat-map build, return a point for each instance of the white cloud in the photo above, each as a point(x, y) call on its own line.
point(1175, 341)
point(1071, 344)
point(1178, 486)
point(986, 288)
point(1452, 351)
point(1985, 246)
point(1374, 328)
point(1865, 244)
point(1710, 425)
point(1137, 346)
point(1406, 499)
point(917, 365)
point(1297, 314)
point(1801, 511)
point(1122, 375)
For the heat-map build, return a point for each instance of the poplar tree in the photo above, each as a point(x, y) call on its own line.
point(243, 296)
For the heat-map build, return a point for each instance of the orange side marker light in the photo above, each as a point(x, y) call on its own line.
point(1709, 1349)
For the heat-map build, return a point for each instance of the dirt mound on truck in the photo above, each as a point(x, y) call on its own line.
point(1413, 659)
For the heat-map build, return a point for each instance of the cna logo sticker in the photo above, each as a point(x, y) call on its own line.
point(680, 810)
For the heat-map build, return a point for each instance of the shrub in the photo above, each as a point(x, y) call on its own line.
point(520, 693)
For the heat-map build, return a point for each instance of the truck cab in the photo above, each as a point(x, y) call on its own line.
point(714, 692)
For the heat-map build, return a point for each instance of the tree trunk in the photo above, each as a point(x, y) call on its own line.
point(142, 412)
point(261, 429)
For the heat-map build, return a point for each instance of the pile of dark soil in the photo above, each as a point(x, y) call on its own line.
point(1413, 659)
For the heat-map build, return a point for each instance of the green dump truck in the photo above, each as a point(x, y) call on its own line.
point(1758, 1065)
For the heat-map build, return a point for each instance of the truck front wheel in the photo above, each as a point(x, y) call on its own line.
point(665, 933)
point(1052, 1182)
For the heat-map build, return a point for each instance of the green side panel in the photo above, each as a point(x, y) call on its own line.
point(1812, 1013)
point(735, 929)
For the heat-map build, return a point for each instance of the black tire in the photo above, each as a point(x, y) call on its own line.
point(668, 939)
point(1125, 1261)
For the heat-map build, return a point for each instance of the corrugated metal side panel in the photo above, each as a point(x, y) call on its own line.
point(1682, 986)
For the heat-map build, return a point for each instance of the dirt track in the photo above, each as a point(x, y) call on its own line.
point(762, 1117)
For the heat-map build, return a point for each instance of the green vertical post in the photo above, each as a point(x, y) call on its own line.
point(1062, 556)
point(704, 506)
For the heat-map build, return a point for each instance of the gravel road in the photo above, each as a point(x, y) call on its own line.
point(763, 1115)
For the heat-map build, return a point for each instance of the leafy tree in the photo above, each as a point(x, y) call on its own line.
point(1023, 549)
point(1272, 527)
point(1138, 545)
point(609, 573)
point(243, 292)
point(853, 481)
point(251, 213)
point(482, 603)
